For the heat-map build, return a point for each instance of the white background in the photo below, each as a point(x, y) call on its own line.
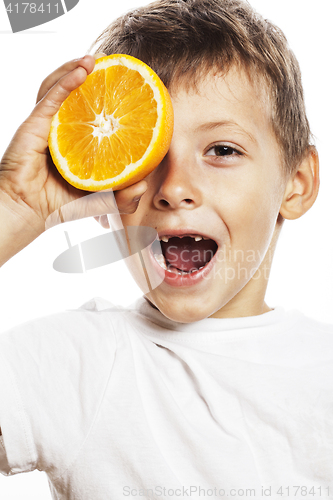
point(302, 274)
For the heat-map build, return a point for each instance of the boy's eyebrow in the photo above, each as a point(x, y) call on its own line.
point(225, 123)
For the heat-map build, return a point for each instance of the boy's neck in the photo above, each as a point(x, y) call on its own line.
point(250, 300)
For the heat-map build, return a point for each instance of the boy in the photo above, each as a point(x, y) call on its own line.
point(201, 389)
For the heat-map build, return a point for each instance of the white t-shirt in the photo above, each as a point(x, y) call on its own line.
point(123, 403)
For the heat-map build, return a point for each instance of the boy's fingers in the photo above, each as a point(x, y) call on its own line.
point(98, 204)
point(127, 201)
point(51, 102)
point(87, 62)
point(98, 55)
point(90, 205)
point(128, 198)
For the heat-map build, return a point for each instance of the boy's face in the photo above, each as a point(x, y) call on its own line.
point(221, 179)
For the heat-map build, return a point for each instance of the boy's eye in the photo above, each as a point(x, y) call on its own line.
point(222, 150)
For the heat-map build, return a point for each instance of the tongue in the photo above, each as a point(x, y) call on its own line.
point(186, 254)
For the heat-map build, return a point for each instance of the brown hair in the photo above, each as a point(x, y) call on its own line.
point(183, 39)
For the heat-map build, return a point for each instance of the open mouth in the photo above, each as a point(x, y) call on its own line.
point(185, 254)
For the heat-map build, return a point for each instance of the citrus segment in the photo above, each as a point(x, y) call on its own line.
point(115, 128)
point(76, 109)
point(95, 91)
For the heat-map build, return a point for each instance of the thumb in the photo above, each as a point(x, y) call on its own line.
point(51, 102)
point(32, 135)
point(91, 205)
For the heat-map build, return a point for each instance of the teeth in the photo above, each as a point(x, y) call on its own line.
point(175, 271)
point(159, 257)
point(161, 260)
point(196, 237)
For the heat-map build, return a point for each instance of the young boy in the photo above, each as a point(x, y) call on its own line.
point(201, 390)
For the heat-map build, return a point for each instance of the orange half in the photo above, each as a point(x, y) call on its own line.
point(115, 128)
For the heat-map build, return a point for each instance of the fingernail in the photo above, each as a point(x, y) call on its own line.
point(137, 198)
point(99, 55)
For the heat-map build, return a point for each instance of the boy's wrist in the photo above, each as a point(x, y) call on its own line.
point(19, 226)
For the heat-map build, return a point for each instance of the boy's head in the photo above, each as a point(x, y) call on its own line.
point(240, 160)
point(184, 40)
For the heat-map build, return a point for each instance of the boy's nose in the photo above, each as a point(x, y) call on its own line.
point(176, 184)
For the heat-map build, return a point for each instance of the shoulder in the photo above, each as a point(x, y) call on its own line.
point(312, 326)
point(66, 344)
point(83, 326)
point(308, 339)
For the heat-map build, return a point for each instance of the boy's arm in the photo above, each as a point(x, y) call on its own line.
point(31, 189)
point(18, 227)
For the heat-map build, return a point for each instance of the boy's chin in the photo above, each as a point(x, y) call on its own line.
point(179, 311)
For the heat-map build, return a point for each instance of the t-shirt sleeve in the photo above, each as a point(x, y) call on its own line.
point(53, 376)
point(4, 467)
point(19, 447)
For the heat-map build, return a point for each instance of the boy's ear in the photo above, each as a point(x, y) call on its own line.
point(302, 187)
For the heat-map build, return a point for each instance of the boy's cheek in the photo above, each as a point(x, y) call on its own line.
point(130, 219)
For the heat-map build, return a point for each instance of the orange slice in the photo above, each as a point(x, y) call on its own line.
point(115, 128)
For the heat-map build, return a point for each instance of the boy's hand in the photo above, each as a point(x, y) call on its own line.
point(100, 203)
point(31, 188)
